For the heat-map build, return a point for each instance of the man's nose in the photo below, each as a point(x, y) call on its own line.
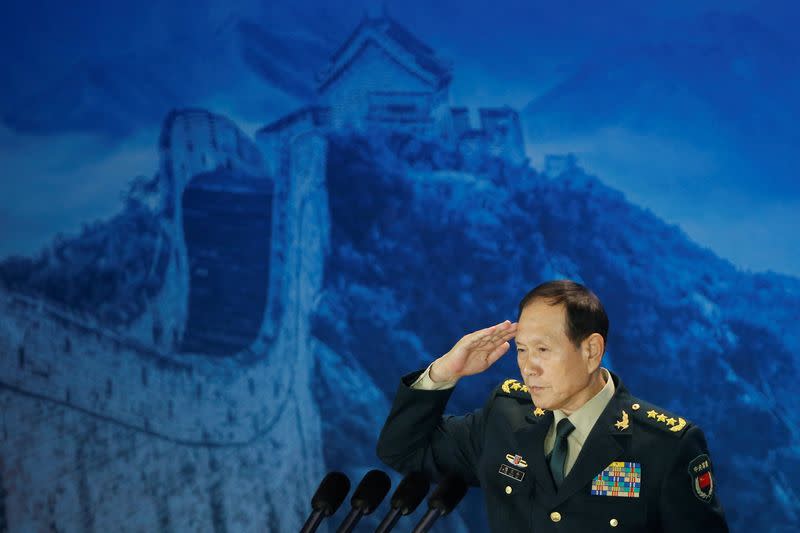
point(530, 368)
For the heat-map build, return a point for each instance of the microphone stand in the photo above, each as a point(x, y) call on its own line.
point(389, 521)
point(427, 521)
point(313, 522)
point(350, 521)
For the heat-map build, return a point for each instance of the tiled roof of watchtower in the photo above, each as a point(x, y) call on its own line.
point(382, 28)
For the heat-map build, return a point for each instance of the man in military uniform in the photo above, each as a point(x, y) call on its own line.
point(566, 449)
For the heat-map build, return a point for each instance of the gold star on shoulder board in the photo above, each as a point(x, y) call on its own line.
point(680, 426)
point(664, 420)
point(515, 386)
point(507, 384)
point(538, 411)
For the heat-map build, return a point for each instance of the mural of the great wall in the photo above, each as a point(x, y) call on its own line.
point(198, 361)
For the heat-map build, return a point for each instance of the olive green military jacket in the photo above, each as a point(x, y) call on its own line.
point(641, 469)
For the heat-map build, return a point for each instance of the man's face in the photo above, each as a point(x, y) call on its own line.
point(555, 371)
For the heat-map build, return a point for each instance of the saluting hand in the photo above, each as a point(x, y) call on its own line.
point(474, 352)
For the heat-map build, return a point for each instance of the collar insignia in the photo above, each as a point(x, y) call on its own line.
point(622, 424)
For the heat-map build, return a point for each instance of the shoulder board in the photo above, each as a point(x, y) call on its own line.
point(651, 415)
point(513, 388)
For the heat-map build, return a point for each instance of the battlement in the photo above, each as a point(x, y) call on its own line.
point(194, 141)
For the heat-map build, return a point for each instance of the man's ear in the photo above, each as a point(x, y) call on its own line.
point(593, 348)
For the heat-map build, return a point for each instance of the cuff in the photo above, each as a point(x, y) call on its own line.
point(424, 382)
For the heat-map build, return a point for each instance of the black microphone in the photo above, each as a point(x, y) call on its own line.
point(409, 494)
point(367, 496)
point(442, 501)
point(329, 496)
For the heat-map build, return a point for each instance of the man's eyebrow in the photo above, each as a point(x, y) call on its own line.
point(532, 339)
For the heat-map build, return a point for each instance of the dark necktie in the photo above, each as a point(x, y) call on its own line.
point(559, 454)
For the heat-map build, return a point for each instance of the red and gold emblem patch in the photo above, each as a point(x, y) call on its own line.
point(702, 479)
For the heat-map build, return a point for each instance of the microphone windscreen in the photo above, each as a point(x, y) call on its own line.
point(448, 494)
point(371, 491)
point(331, 493)
point(410, 492)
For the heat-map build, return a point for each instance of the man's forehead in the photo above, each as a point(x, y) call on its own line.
point(540, 323)
point(535, 328)
point(541, 315)
point(533, 337)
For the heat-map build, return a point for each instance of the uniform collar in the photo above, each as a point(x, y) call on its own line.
point(585, 417)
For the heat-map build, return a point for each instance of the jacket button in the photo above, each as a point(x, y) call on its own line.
point(555, 516)
point(508, 489)
point(613, 522)
point(635, 406)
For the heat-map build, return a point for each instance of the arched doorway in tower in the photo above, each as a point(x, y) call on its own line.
point(227, 221)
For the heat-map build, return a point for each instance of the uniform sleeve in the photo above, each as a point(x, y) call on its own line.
point(688, 500)
point(425, 382)
point(416, 435)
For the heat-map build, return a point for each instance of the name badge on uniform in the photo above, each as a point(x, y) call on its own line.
point(513, 473)
point(516, 460)
point(619, 479)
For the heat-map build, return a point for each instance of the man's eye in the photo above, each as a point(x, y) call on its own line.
point(542, 349)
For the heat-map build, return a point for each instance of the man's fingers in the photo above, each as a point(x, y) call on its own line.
point(489, 344)
point(501, 329)
point(509, 336)
point(497, 353)
point(502, 325)
point(490, 330)
point(480, 349)
point(502, 333)
point(504, 330)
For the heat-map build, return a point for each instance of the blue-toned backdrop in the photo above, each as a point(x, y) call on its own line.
point(227, 230)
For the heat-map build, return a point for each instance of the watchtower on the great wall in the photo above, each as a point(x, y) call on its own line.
point(384, 77)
